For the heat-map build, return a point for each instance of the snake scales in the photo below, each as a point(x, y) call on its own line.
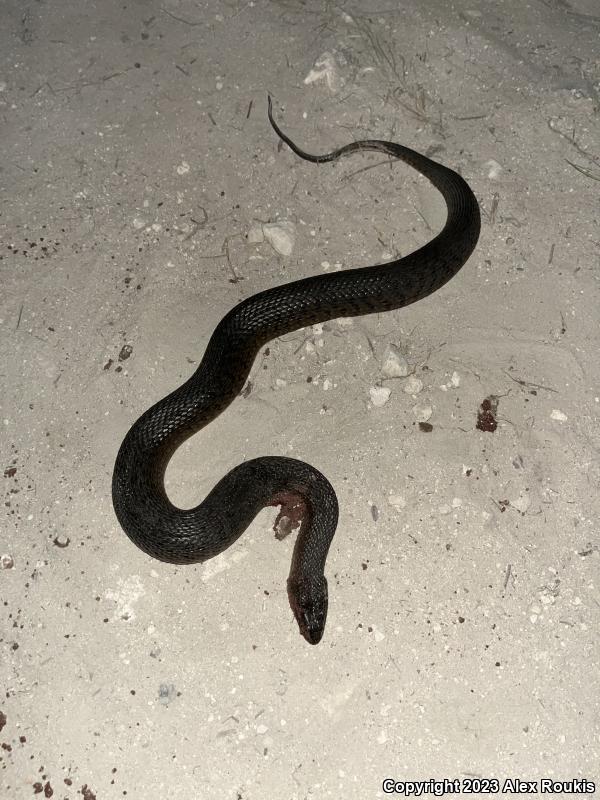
point(180, 536)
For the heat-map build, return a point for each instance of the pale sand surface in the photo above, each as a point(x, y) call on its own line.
point(136, 158)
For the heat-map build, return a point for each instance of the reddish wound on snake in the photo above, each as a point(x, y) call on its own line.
point(292, 513)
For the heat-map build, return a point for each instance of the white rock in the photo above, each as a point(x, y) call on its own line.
point(281, 236)
point(255, 234)
point(379, 395)
point(397, 501)
point(558, 415)
point(534, 612)
point(522, 502)
point(455, 379)
point(422, 413)
point(326, 69)
point(494, 169)
point(413, 386)
point(394, 365)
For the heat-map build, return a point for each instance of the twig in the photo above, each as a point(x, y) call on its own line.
point(588, 173)
point(494, 208)
point(197, 225)
point(369, 166)
point(225, 247)
point(82, 85)
point(180, 19)
point(473, 116)
point(41, 86)
point(529, 383)
point(420, 213)
point(571, 140)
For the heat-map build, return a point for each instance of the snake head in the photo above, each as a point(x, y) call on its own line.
point(309, 604)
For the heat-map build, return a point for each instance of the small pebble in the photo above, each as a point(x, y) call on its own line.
point(494, 169)
point(455, 379)
point(379, 635)
point(534, 613)
point(7, 561)
point(379, 395)
point(522, 502)
point(558, 415)
point(413, 385)
point(281, 236)
point(326, 69)
point(394, 365)
point(125, 352)
point(166, 693)
point(397, 501)
point(422, 413)
point(255, 234)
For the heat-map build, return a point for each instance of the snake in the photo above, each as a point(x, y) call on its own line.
point(194, 535)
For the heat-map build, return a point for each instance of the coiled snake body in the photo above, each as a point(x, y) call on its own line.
point(180, 536)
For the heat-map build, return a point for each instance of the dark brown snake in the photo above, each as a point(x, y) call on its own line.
point(180, 536)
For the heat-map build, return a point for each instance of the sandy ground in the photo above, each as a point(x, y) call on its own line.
point(137, 169)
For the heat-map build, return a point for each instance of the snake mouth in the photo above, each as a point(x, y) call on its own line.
point(313, 636)
point(310, 611)
point(309, 629)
